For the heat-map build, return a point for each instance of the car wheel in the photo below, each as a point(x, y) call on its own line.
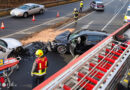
point(25, 15)
point(61, 49)
point(41, 11)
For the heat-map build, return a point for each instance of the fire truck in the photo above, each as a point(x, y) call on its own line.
point(100, 68)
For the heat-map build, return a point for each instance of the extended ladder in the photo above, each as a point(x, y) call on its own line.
point(96, 73)
point(94, 70)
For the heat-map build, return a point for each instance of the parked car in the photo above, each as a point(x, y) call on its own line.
point(97, 5)
point(10, 47)
point(127, 15)
point(27, 9)
point(77, 42)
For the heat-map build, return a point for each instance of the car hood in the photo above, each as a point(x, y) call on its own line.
point(12, 43)
point(17, 10)
point(63, 37)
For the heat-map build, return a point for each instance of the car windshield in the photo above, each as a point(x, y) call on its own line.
point(128, 13)
point(73, 35)
point(25, 7)
point(2, 43)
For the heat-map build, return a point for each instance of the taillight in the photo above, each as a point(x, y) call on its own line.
point(100, 6)
point(2, 81)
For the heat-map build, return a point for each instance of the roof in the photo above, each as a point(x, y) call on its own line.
point(98, 1)
point(91, 32)
point(30, 4)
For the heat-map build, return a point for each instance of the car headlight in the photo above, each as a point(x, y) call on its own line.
point(18, 13)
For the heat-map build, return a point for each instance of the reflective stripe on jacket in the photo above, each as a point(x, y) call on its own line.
point(40, 66)
point(76, 13)
point(42, 63)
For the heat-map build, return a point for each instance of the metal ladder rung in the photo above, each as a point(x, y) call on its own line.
point(114, 52)
point(85, 85)
point(72, 81)
point(94, 59)
point(83, 70)
point(88, 78)
point(98, 67)
point(106, 58)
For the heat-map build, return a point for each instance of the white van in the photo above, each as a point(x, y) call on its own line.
point(127, 15)
point(97, 5)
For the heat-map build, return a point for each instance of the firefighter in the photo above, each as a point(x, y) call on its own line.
point(81, 6)
point(39, 68)
point(75, 13)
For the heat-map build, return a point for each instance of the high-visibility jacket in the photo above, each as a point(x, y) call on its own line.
point(40, 66)
point(81, 4)
point(41, 63)
point(76, 13)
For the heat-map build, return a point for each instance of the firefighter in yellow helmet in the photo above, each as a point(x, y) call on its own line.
point(39, 68)
point(81, 6)
point(75, 13)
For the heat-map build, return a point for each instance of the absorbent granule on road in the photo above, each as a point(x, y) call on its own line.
point(44, 36)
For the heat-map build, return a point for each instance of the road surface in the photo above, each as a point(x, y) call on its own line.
point(109, 20)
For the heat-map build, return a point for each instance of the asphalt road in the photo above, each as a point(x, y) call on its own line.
point(109, 20)
point(14, 25)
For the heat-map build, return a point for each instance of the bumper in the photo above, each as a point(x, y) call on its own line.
point(99, 8)
point(14, 15)
point(51, 46)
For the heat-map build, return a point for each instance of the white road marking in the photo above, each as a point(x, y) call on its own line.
point(74, 22)
point(86, 26)
point(47, 23)
point(1, 18)
point(113, 17)
point(31, 27)
point(109, 2)
point(80, 18)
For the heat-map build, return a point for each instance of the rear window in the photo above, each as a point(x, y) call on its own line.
point(99, 4)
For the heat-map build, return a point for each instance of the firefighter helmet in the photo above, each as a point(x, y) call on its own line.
point(75, 9)
point(39, 53)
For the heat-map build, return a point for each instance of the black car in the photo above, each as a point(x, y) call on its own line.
point(76, 42)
